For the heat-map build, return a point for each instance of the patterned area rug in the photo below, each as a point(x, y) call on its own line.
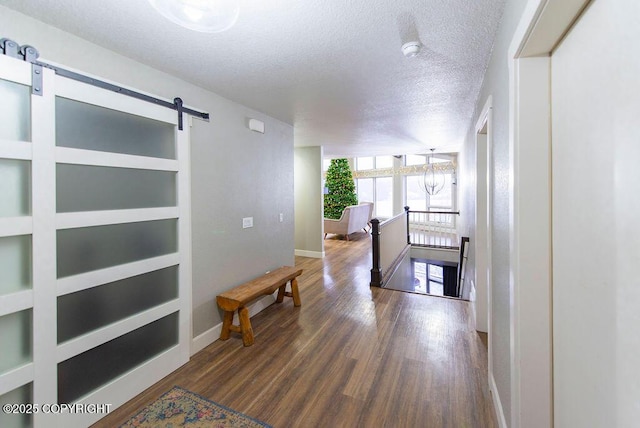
point(182, 408)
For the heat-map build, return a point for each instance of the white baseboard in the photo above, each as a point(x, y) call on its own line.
point(205, 339)
point(497, 403)
point(314, 254)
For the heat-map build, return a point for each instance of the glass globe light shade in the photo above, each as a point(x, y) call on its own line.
point(207, 16)
point(432, 181)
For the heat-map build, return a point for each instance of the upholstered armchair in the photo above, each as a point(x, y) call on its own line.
point(370, 204)
point(353, 218)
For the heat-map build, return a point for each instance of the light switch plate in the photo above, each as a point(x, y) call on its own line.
point(281, 217)
point(247, 222)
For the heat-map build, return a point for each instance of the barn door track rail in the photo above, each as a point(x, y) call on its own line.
point(30, 54)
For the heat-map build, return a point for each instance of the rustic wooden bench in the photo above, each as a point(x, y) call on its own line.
point(237, 298)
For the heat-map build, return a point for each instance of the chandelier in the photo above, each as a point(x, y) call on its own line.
point(433, 179)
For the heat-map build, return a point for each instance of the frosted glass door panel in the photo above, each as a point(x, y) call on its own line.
point(22, 395)
point(85, 126)
point(15, 187)
point(15, 340)
point(85, 372)
point(96, 188)
point(87, 310)
point(91, 248)
point(15, 111)
point(15, 263)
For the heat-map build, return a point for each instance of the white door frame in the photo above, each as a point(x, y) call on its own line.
point(482, 243)
point(542, 26)
point(483, 221)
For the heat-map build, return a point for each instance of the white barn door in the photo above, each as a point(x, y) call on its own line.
point(95, 263)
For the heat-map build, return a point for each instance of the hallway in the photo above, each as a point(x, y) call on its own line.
point(351, 356)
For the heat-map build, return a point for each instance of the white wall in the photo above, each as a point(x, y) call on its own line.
point(596, 235)
point(309, 202)
point(480, 244)
point(466, 224)
point(236, 173)
point(496, 85)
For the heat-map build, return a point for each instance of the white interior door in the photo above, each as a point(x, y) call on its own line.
point(94, 245)
point(596, 234)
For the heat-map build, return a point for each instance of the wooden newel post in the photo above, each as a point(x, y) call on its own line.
point(376, 272)
point(406, 209)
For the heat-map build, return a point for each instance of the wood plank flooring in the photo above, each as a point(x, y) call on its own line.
point(351, 356)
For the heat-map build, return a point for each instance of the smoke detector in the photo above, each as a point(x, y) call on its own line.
point(411, 49)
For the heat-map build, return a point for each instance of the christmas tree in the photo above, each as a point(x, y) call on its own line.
point(342, 189)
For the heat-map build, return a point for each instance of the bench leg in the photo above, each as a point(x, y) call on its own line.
point(295, 293)
point(226, 325)
point(281, 293)
point(245, 326)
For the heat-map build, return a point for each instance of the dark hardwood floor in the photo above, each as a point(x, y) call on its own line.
point(351, 356)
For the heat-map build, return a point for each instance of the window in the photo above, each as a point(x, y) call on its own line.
point(377, 176)
point(364, 188)
point(435, 159)
point(422, 159)
point(378, 190)
point(364, 163)
point(384, 162)
point(444, 199)
point(384, 197)
point(415, 160)
point(371, 162)
point(416, 198)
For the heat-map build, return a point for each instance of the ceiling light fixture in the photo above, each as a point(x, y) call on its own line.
point(433, 180)
point(207, 16)
point(411, 49)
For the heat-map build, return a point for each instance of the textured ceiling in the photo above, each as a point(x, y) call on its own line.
point(332, 68)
